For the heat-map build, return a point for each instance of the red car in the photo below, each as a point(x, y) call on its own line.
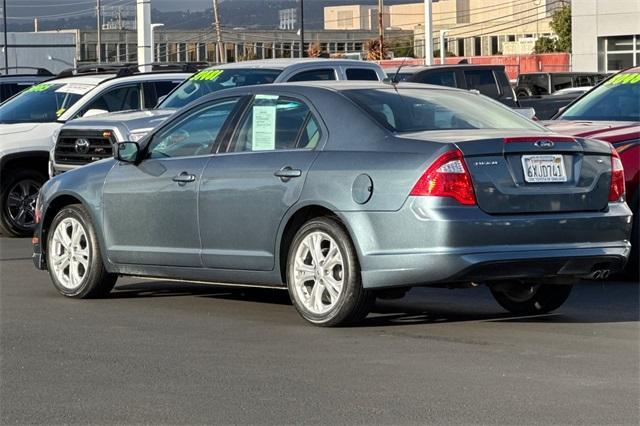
point(611, 112)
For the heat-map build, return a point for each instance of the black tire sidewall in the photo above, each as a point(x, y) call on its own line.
point(13, 177)
point(351, 272)
point(547, 298)
point(94, 276)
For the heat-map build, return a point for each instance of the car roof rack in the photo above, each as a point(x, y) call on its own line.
point(120, 69)
point(39, 71)
point(178, 66)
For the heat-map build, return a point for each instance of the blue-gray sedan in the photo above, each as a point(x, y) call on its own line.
point(342, 192)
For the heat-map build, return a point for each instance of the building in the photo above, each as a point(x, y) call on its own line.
point(354, 17)
point(240, 44)
point(473, 27)
point(606, 38)
point(288, 19)
point(53, 50)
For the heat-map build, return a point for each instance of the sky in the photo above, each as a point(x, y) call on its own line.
point(43, 8)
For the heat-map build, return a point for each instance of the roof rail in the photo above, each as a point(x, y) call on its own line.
point(124, 68)
point(178, 66)
point(39, 70)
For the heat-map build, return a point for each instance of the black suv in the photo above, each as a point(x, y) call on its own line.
point(10, 84)
point(546, 83)
point(490, 80)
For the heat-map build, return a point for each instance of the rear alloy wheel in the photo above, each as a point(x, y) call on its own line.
point(323, 275)
point(524, 299)
point(73, 256)
point(18, 197)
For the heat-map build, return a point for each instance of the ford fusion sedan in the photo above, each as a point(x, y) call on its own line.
point(342, 193)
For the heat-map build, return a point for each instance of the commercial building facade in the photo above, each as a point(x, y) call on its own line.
point(605, 35)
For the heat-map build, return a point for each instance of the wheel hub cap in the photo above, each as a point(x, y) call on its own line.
point(69, 253)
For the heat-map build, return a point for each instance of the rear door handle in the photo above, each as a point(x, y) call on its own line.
point(184, 177)
point(287, 173)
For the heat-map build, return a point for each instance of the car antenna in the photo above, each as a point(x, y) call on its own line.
point(395, 76)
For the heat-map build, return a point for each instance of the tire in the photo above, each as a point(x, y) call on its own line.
point(72, 236)
point(17, 201)
point(522, 299)
point(340, 298)
point(524, 93)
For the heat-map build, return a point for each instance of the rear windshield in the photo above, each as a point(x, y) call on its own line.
point(42, 103)
point(618, 99)
point(212, 80)
point(414, 110)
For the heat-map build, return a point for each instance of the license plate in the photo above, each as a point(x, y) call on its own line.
point(544, 168)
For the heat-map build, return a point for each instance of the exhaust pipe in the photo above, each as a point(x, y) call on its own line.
point(600, 274)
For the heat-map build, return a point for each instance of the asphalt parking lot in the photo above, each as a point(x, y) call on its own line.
point(165, 353)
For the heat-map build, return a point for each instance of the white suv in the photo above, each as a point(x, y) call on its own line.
point(31, 120)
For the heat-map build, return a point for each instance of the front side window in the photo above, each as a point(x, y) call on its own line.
point(315, 75)
point(275, 123)
point(42, 103)
point(482, 81)
point(211, 80)
point(617, 99)
point(117, 99)
point(194, 135)
point(414, 110)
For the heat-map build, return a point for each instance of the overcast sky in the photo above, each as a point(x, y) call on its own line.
point(42, 8)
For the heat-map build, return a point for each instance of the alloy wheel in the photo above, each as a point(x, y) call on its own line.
point(70, 253)
point(21, 203)
point(318, 272)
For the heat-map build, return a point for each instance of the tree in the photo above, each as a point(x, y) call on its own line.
point(561, 25)
point(545, 45)
point(374, 52)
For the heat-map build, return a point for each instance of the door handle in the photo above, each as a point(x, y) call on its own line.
point(287, 173)
point(184, 177)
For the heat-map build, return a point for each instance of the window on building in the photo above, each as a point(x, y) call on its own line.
point(620, 52)
point(345, 19)
point(494, 45)
point(460, 47)
point(477, 46)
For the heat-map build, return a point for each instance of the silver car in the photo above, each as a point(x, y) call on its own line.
point(342, 192)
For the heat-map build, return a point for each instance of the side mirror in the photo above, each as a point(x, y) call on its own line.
point(127, 152)
point(161, 99)
point(529, 113)
point(92, 112)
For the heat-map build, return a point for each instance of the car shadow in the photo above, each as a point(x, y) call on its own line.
point(589, 303)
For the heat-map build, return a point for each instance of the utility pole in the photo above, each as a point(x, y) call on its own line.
point(99, 26)
point(381, 27)
point(428, 32)
point(220, 50)
point(302, 28)
point(6, 46)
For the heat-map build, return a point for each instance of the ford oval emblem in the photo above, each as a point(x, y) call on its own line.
point(544, 144)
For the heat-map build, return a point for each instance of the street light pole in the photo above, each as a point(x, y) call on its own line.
point(428, 31)
point(6, 47)
point(302, 28)
point(99, 28)
point(152, 42)
point(442, 49)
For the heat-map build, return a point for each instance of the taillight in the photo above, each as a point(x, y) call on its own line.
point(616, 190)
point(448, 176)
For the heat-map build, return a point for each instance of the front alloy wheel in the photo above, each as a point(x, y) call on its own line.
point(73, 255)
point(323, 275)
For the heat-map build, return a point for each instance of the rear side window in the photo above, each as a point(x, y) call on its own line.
point(440, 78)
point(118, 99)
point(315, 75)
point(483, 81)
point(361, 74)
point(275, 123)
point(559, 82)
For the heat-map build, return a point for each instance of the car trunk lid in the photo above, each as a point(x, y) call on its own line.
point(534, 172)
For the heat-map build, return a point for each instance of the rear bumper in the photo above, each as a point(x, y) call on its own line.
point(434, 241)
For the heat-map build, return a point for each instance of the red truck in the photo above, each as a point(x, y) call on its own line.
point(611, 112)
